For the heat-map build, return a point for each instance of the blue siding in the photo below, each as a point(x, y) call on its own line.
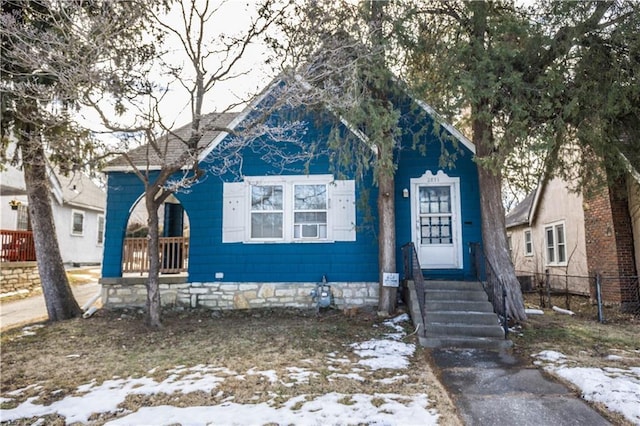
point(412, 164)
point(299, 262)
point(123, 190)
point(261, 262)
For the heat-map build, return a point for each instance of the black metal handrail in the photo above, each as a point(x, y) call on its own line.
point(412, 271)
point(492, 284)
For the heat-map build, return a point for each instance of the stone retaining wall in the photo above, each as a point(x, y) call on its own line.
point(226, 296)
point(19, 279)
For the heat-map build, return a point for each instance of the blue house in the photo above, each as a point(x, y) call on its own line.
point(262, 232)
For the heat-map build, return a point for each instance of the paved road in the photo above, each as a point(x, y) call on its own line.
point(32, 309)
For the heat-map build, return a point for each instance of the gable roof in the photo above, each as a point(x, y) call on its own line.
point(145, 157)
point(78, 190)
point(523, 212)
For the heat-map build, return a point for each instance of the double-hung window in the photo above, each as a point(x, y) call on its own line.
point(77, 222)
point(24, 221)
point(100, 238)
point(267, 212)
point(528, 243)
point(287, 209)
point(310, 211)
point(556, 246)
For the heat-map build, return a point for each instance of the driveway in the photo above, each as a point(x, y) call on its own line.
point(32, 309)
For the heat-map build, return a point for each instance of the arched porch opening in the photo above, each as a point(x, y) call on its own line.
point(174, 239)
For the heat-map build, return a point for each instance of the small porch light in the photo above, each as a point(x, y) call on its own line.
point(14, 204)
point(405, 193)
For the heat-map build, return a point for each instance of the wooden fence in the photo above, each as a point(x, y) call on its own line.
point(174, 254)
point(17, 246)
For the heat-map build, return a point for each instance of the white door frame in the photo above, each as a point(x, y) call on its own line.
point(445, 256)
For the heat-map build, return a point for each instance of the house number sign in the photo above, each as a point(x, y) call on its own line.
point(390, 279)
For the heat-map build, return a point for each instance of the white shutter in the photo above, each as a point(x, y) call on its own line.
point(234, 206)
point(342, 210)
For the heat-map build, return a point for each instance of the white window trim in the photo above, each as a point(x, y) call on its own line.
point(281, 211)
point(22, 207)
point(440, 179)
point(325, 211)
point(341, 209)
point(288, 182)
point(554, 226)
point(73, 213)
point(524, 237)
point(98, 231)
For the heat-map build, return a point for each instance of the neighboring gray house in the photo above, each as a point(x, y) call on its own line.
point(78, 210)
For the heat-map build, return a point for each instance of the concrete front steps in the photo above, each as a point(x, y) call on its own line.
point(458, 315)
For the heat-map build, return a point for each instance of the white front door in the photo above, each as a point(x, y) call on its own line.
point(435, 214)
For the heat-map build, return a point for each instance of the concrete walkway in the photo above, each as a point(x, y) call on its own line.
point(493, 388)
point(21, 312)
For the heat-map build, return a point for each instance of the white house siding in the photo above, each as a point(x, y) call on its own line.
point(8, 217)
point(556, 204)
point(74, 248)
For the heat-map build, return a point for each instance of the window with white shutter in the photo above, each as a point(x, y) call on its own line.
point(234, 212)
point(308, 208)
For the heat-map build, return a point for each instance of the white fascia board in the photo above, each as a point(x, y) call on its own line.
point(455, 132)
point(56, 188)
point(632, 171)
point(234, 123)
point(536, 201)
point(127, 169)
point(85, 206)
point(357, 133)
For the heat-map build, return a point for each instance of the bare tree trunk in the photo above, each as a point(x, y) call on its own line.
point(58, 297)
point(386, 239)
point(494, 233)
point(495, 242)
point(153, 281)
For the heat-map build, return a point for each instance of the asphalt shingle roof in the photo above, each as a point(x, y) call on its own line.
point(79, 190)
point(520, 214)
point(143, 156)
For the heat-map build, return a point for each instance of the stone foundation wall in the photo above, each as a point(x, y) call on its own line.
point(19, 279)
point(226, 296)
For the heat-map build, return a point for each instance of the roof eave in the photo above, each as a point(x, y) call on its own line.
point(454, 132)
point(236, 121)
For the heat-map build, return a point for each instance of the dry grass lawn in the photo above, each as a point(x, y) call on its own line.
point(580, 336)
point(582, 339)
point(60, 357)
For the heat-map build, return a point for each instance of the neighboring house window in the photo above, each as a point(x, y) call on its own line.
point(289, 209)
point(100, 240)
point(77, 222)
point(267, 212)
point(509, 246)
point(528, 243)
point(556, 246)
point(24, 222)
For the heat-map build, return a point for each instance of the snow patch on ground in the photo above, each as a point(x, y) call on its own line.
point(329, 409)
point(388, 353)
point(618, 389)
